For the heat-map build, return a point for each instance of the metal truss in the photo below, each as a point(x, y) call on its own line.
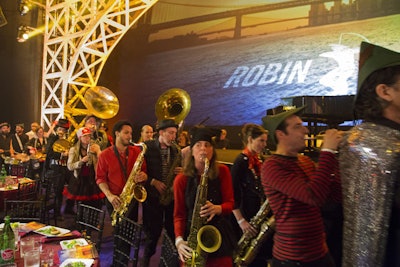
point(79, 36)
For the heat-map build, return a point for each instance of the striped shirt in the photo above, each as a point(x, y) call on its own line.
point(296, 190)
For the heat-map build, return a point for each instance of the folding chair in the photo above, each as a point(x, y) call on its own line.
point(169, 253)
point(28, 191)
point(46, 193)
point(90, 220)
point(127, 237)
point(24, 210)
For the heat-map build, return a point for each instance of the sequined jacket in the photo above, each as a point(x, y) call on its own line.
point(370, 164)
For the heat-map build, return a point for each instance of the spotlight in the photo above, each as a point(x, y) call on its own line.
point(24, 7)
point(23, 33)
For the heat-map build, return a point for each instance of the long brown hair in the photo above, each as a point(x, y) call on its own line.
point(191, 171)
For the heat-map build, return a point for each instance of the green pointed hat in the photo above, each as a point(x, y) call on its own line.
point(271, 122)
point(372, 58)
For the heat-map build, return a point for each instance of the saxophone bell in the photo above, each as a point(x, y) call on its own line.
point(209, 239)
point(131, 189)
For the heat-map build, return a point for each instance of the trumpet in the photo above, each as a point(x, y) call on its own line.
point(321, 136)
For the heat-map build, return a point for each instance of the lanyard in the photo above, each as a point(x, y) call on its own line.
point(123, 168)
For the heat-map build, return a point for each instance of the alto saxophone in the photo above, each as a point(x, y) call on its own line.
point(131, 189)
point(167, 197)
point(202, 238)
point(248, 247)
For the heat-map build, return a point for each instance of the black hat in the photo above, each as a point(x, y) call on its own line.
point(166, 124)
point(4, 124)
point(202, 134)
point(64, 123)
point(271, 122)
point(20, 125)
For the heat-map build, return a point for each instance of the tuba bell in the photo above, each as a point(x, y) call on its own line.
point(173, 104)
point(101, 102)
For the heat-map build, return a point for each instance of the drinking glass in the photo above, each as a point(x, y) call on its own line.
point(26, 244)
point(46, 258)
point(32, 258)
point(16, 237)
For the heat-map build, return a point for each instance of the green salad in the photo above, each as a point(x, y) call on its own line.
point(49, 231)
point(76, 264)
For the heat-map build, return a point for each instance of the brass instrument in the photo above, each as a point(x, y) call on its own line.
point(101, 102)
point(168, 196)
point(248, 247)
point(61, 145)
point(131, 189)
point(202, 238)
point(173, 104)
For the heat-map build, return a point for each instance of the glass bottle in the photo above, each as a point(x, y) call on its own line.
point(3, 175)
point(8, 242)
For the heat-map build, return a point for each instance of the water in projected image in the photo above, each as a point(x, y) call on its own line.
point(236, 81)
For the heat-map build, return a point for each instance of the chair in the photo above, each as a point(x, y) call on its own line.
point(28, 191)
point(90, 220)
point(46, 194)
point(127, 237)
point(24, 210)
point(169, 254)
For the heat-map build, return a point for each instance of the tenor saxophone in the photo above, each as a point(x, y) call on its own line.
point(131, 189)
point(202, 238)
point(167, 197)
point(248, 247)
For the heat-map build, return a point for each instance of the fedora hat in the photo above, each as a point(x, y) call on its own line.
point(4, 124)
point(373, 58)
point(167, 123)
point(271, 122)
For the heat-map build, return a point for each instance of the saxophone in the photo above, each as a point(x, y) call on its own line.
point(202, 238)
point(131, 189)
point(168, 196)
point(248, 247)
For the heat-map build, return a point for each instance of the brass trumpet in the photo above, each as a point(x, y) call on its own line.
point(321, 136)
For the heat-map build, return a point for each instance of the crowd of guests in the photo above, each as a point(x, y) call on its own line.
point(187, 188)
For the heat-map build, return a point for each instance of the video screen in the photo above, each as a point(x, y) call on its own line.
point(237, 59)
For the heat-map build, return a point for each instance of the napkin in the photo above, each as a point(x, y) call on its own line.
point(70, 235)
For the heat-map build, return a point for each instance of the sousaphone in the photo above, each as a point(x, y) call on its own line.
point(173, 104)
point(101, 102)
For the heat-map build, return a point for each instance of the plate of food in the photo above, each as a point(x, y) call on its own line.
point(77, 263)
point(73, 243)
point(52, 231)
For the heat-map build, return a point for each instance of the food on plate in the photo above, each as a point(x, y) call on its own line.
point(70, 244)
point(76, 264)
point(50, 231)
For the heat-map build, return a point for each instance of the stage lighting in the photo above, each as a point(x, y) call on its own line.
point(23, 33)
point(24, 7)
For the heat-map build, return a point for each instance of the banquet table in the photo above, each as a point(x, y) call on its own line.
point(50, 244)
point(10, 189)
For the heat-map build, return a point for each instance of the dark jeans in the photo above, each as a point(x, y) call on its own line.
point(155, 217)
point(325, 261)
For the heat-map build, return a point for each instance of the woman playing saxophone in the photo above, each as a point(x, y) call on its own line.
point(218, 203)
point(248, 192)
